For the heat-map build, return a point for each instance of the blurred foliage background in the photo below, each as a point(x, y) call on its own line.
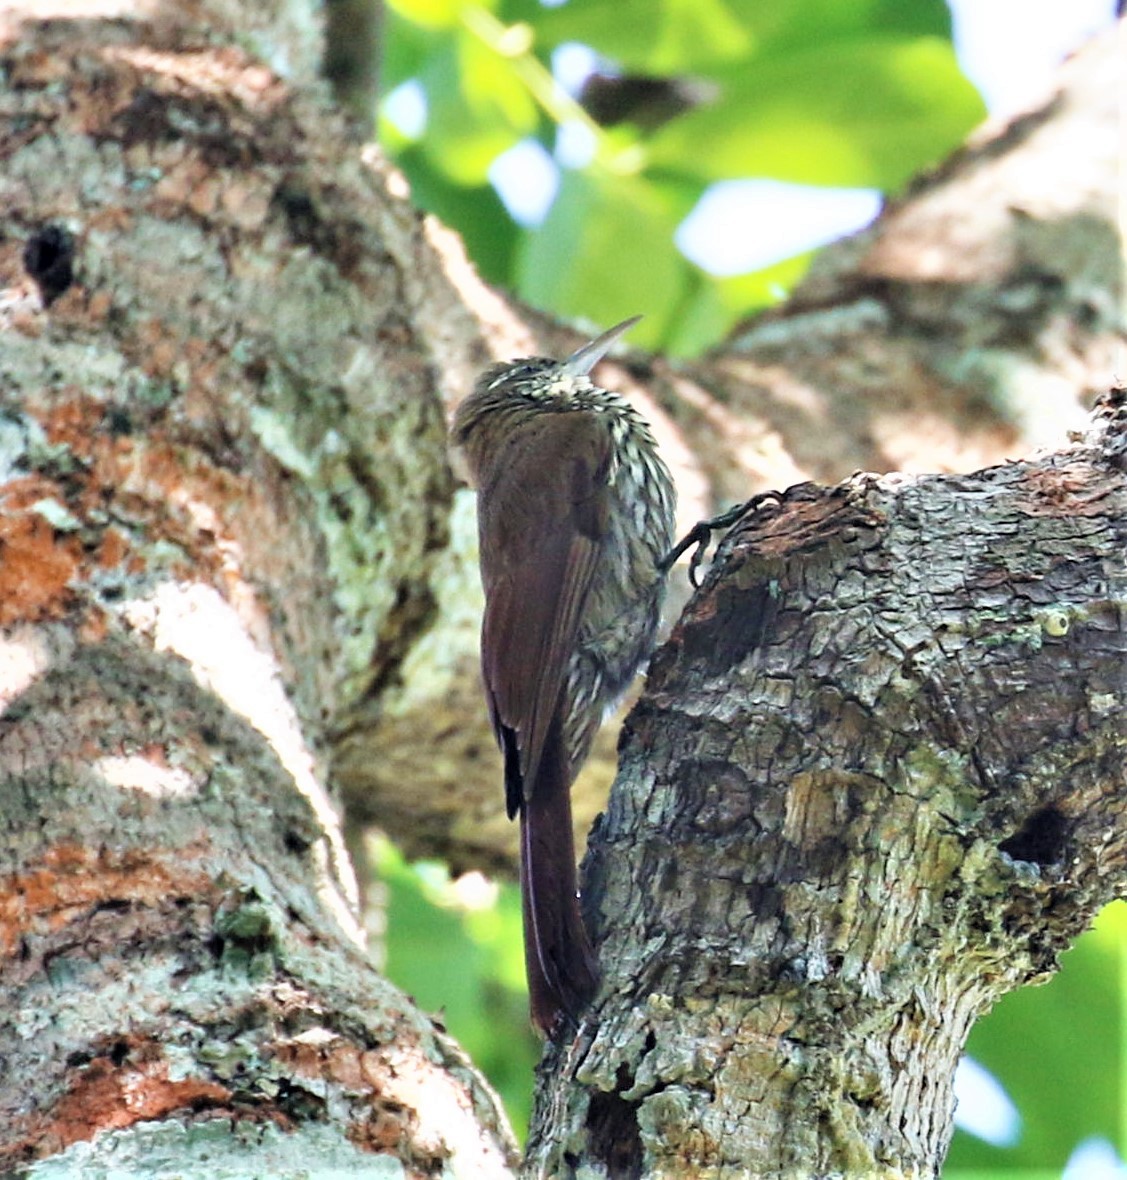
point(1058, 1053)
point(859, 94)
point(851, 93)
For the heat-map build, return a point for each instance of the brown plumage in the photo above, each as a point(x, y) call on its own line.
point(575, 513)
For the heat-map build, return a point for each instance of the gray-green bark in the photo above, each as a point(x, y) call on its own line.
point(223, 502)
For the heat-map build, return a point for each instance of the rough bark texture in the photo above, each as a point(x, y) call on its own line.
point(875, 782)
point(224, 496)
point(179, 985)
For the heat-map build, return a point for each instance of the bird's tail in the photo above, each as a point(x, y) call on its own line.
point(559, 959)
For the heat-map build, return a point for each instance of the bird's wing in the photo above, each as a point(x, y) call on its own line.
point(542, 521)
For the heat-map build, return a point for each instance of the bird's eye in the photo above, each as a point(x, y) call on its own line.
point(518, 373)
point(521, 373)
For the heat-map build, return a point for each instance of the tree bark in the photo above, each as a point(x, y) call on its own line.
point(223, 500)
point(875, 782)
point(238, 581)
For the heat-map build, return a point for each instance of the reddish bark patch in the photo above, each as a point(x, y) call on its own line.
point(36, 562)
point(73, 421)
point(1063, 489)
point(380, 1122)
point(104, 1097)
point(128, 1085)
point(113, 549)
point(71, 878)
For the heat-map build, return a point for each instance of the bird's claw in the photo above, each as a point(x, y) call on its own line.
point(700, 535)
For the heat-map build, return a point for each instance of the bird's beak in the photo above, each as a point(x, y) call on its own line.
point(584, 359)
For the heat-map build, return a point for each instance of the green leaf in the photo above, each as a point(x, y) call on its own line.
point(658, 36)
point(806, 22)
point(714, 306)
point(406, 47)
point(431, 14)
point(605, 252)
point(439, 14)
point(478, 107)
point(686, 36)
point(868, 114)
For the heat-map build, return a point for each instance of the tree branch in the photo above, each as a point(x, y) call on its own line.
point(875, 782)
point(223, 492)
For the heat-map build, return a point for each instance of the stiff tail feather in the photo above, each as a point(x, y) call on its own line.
point(559, 960)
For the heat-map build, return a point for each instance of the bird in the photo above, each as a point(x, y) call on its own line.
point(575, 518)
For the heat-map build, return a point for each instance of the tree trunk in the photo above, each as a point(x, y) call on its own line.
point(224, 497)
point(237, 578)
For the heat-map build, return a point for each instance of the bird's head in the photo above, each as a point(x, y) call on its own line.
point(540, 376)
